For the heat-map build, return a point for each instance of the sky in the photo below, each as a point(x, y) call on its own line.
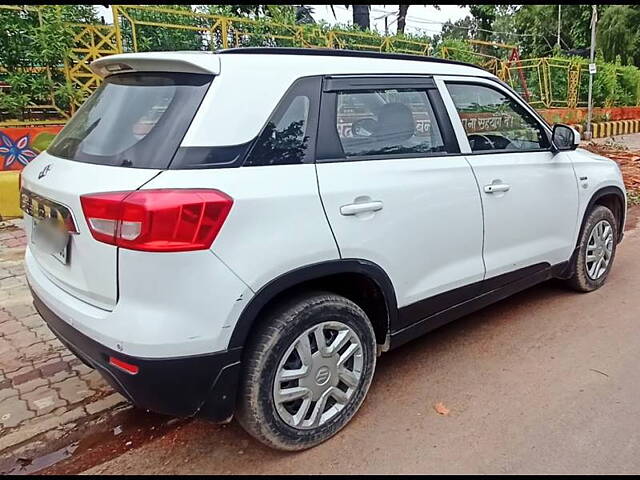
point(420, 18)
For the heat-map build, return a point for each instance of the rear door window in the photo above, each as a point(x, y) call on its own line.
point(133, 120)
point(387, 122)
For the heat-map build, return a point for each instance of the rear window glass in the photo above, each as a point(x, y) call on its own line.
point(133, 120)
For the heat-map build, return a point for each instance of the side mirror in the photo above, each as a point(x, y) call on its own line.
point(563, 137)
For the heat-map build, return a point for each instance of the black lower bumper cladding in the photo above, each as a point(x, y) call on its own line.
point(202, 385)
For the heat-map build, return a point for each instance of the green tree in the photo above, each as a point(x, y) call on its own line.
point(619, 34)
point(484, 15)
point(33, 47)
point(540, 26)
point(150, 38)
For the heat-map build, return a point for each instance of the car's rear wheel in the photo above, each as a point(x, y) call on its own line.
point(596, 250)
point(307, 371)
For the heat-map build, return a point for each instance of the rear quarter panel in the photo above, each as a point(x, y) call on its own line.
point(276, 223)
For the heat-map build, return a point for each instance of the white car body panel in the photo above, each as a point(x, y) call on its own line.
point(428, 235)
point(594, 172)
point(536, 220)
point(90, 274)
point(167, 308)
point(276, 223)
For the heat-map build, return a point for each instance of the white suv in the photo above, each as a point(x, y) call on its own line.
point(245, 231)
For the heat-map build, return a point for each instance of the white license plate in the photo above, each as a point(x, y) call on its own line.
point(51, 240)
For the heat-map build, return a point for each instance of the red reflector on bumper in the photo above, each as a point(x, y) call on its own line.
point(127, 367)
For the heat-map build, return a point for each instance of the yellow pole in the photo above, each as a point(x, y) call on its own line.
point(116, 24)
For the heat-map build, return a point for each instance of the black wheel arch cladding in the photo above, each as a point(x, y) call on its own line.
point(308, 273)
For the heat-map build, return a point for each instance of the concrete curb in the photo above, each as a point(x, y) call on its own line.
point(9, 195)
point(614, 127)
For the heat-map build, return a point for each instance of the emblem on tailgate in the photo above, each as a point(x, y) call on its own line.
point(44, 171)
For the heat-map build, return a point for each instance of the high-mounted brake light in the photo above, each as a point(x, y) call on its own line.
point(166, 220)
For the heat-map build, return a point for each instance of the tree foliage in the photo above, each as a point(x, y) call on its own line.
point(33, 46)
point(26, 43)
point(619, 34)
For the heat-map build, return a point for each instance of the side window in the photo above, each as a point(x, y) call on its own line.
point(387, 122)
point(286, 138)
point(494, 121)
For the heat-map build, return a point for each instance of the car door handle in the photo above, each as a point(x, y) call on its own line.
point(356, 208)
point(496, 187)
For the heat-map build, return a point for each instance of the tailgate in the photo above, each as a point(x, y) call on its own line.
point(90, 272)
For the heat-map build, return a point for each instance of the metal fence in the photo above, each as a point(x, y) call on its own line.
point(544, 82)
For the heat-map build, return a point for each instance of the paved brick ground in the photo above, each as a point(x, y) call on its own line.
point(42, 385)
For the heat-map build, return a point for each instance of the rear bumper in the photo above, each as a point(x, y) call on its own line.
point(202, 385)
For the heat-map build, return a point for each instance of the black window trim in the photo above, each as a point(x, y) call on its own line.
point(506, 90)
point(245, 149)
point(336, 83)
point(328, 145)
point(313, 82)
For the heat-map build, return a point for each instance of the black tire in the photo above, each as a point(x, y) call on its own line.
point(580, 279)
point(256, 409)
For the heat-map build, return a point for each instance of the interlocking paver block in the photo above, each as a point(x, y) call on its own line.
point(22, 339)
point(82, 369)
point(10, 327)
point(37, 351)
point(43, 400)
point(10, 362)
point(13, 411)
point(73, 390)
point(31, 385)
point(61, 375)
point(42, 385)
point(10, 282)
point(5, 346)
point(55, 345)
point(43, 333)
point(32, 321)
point(95, 381)
point(22, 311)
point(105, 403)
point(6, 392)
point(25, 376)
point(52, 367)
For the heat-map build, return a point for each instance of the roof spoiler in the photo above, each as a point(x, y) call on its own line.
point(183, 62)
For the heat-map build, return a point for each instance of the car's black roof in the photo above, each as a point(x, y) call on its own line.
point(340, 53)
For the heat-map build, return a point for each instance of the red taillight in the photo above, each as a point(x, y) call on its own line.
point(157, 220)
point(122, 365)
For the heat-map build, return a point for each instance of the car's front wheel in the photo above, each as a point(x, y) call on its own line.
point(596, 250)
point(307, 371)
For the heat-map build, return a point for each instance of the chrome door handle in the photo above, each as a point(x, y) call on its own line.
point(356, 208)
point(496, 187)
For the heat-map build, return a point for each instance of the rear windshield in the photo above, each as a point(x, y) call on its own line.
point(133, 120)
